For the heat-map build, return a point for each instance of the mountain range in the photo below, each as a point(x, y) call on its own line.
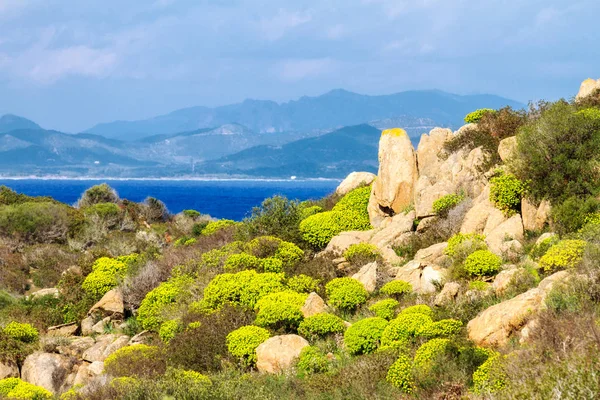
point(324, 136)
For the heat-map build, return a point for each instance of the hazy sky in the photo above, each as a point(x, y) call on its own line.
point(69, 64)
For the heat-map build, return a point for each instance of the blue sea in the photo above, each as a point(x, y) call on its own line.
point(232, 199)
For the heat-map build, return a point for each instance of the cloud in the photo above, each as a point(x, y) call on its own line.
point(298, 69)
point(275, 27)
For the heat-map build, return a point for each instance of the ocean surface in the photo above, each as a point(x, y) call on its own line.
point(232, 199)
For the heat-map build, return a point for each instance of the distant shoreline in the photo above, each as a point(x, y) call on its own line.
point(199, 179)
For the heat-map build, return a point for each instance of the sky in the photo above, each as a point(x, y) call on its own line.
point(70, 64)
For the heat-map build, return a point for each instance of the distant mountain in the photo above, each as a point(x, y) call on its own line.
point(333, 110)
point(334, 154)
point(10, 122)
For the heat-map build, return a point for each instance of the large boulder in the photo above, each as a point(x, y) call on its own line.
point(448, 294)
point(8, 369)
point(507, 148)
point(340, 243)
point(105, 345)
point(47, 370)
point(429, 149)
point(393, 190)
point(587, 88)
point(314, 304)
point(111, 304)
point(503, 280)
point(278, 353)
point(354, 181)
point(367, 275)
point(432, 255)
point(87, 372)
point(64, 330)
point(511, 229)
point(394, 229)
point(422, 277)
point(495, 325)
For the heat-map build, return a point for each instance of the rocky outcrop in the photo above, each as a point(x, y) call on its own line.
point(367, 275)
point(495, 325)
point(421, 276)
point(8, 369)
point(587, 88)
point(354, 181)
point(432, 255)
point(503, 279)
point(65, 330)
point(344, 240)
point(105, 345)
point(535, 217)
point(393, 190)
point(511, 229)
point(507, 148)
point(314, 304)
point(47, 370)
point(278, 353)
point(448, 294)
point(88, 371)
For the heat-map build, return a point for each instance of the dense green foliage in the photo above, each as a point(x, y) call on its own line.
point(364, 336)
point(565, 254)
point(151, 311)
point(505, 193)
point(15, 388)
point(242, 343)
point(483, 263)
point(396, 288)
point(23, 332)
point(321, 325)
point(361, 253)
point(385, 309)
point(446, 203)
point(346, 293)
point(476, 115)
point(312, 360)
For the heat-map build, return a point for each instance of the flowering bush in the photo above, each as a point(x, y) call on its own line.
point(483, 263)
point(215, 226)
point(385, 309)
point(169, 329)
point(396, 288)
point(303, 283)
point(15, 388)
point(361, 253)
point(505, 193)
point(280, 310)
point(312, 360)
point(476, 115)
point(446, 203)
point(150, 313)
point(240, 262)
point(461, 242)
point(22, 332)
point(242, 343)
point(565, 254)
point(106, 274)
point(428, 352)
point(364, 336)
point(320, 325)
point(418, 309)
point(138, 360)
point(346, 293)
point(400, 374)
point(404, 328)
point(490, 376)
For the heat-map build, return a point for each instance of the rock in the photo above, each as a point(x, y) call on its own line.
point(278, 353)
point(512, 250)
point(528, 330)
point(430, 146)
point(432, 255)
point(503, 279)
point(420, 276)
point(425, 224)
point(354, 181)
point(448, 294)
point(476, 218)
point(101, 325)
point(314, 304)
point(394, 231)
point(535, 217)
point(47, 370)
point(495, 325)
point(389, 256)
point(393, 190)
point(545, 236)
point(87, 326)
point(87, 372)
point(507, 147)
point(144, 337)
point(494, 220)
point(44, 292)
point(367, 275)
point(587, 88)
point(511, 229)
point(344, 240)
point(105, 345)
point(426, 194)
point(8, 369)
point(63, 330)
point(431, 277)
point(110, 304)
point(76, 347)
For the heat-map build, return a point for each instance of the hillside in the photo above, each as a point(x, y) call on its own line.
point(332, 110)
point(467, 268)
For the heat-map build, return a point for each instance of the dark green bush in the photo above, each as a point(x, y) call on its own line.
point(98, 194)
point(277, 216)
point(570, 215)
point(36, 222)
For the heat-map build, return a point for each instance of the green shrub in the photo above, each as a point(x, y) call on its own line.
point(216, 258)
point(483, 263)
point(573, 213)
point(563, 255)
point(280, 310)
point(321, 325)
point(289, 254)
point(418, 309)
point(106, 275)
point(490, 377)
point(442, 328)
point(308, 211)
point(151, 311)
point(15, 388)
point(400, 374)
point(349, 214)
point(98, 194)
point(557, 154)
point(22, 332)
point(244, 288)
point(240, 262)
point(271, 264)
point(215, 226)
point(312, 360)
point(169, 329)
point(191, 213)
point(187, 381)
point(138, 360)
point(476, 115)
point(404, 328)
point(462, 243)
point(362, 253)
point(41, 222)
point(444, 204)
point(346, 293)
point(242, 343)
point(385, 309)
point(276, 216)
point(479, 285)
point(303, 283)
point(185, 241)
point(427, 354)
point(541, 248)
point(506, 192)
point(363, 337)
point(396, 288)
